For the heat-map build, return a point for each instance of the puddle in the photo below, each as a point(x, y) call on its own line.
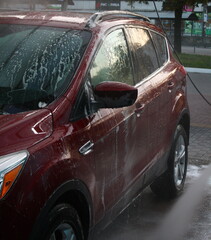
point(194, 171)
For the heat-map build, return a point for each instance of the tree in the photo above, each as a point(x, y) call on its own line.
point(177, 6)
point(65, 3)
point(32, 5)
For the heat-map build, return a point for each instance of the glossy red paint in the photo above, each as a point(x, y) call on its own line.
point(25, 128)
point(114, 86)
point(115, 94)
point(92, 161)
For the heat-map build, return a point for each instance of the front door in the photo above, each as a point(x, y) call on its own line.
point(113, 63)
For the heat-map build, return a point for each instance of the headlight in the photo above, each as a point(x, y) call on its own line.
point(10, 167)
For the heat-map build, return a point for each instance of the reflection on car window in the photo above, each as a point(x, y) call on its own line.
point(112, 62)
point(160, 44)
point(35, 63)
point(144, 51)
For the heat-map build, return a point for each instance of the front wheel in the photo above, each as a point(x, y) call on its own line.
point(171, 183)
point(62, 223)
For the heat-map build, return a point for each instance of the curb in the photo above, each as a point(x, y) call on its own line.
point(198, 70)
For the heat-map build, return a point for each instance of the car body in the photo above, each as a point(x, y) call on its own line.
point(92, 107)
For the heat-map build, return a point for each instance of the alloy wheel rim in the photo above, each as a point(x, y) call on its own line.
point(179, 161)
point(63, 232)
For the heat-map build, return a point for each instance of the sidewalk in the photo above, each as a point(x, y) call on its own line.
point(200, 112)
point(198, 70)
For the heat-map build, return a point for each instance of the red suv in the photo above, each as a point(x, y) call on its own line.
point(93, 108)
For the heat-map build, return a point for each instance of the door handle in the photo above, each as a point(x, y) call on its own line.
point(139, 110)
point(86, 148)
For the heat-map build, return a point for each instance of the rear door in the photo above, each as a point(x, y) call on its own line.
point(165, 87)
point(146, 65)
point(154, 71)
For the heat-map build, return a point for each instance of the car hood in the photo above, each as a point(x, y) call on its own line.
point(23, 130)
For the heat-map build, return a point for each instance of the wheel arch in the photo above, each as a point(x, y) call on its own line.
point(185, 122)
point(75, 193)
point(181, 112)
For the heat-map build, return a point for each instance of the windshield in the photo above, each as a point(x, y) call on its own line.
point(36, 64)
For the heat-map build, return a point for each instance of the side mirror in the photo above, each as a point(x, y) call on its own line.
point(115, 95)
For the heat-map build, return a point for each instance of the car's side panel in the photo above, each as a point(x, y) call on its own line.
point(115, 135)
point(132, 138)
point(106, 169)
point(160, 115)
point(146, 65)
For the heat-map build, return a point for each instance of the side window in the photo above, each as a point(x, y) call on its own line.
point(161, 48)
point(144, 52)
point(112, 61)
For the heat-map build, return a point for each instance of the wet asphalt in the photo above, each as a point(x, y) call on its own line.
point(189, 216)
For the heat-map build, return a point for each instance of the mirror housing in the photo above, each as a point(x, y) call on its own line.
point(115, 95)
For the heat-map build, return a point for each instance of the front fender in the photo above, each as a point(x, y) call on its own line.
point(47, 175)
point(72, 185)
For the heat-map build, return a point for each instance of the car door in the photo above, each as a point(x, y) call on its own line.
point(151, 69)
point(131, 122)
point(132, 142)
point(105, 129)
point(106, 66)
point(165, 86)
point(104, 146)
point(113, 63)
point(146, 65)
point(92, 140)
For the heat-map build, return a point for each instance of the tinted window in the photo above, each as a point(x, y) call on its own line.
point(35, 63)
point(144, 51)
point(112, 62)
point(160, 44)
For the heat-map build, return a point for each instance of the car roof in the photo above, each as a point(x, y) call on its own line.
point(71, 19)
point(45, 17)
point(77, 20)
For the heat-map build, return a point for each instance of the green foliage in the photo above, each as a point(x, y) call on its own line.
point(196, 61)
point(175, 4)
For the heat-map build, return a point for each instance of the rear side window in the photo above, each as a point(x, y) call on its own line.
point(144, 52)
point(112, 61)
point(161, 48)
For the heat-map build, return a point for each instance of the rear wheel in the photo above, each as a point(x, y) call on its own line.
point(171, 183)
point(62, 223)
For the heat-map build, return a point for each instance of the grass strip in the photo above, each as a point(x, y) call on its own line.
point(195, 61)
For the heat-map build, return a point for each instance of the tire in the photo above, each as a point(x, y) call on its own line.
point(171, 183)
point(62, 223)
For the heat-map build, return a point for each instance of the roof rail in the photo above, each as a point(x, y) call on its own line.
point(98, 16)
